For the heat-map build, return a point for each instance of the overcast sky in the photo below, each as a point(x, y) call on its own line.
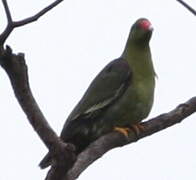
point(65, 49)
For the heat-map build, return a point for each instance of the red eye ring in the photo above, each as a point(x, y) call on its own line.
point(145, 24)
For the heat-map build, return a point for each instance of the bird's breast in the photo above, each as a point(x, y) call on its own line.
point(134, 105)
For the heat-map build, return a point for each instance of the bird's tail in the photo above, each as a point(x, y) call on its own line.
point(46, 161)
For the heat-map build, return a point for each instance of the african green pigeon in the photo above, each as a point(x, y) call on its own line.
point(120, 96)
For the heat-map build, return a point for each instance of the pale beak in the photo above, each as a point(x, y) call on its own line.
point(150, 28)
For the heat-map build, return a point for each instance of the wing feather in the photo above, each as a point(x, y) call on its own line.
point(104, 90)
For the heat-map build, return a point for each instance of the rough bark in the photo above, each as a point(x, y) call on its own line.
point(115, 139)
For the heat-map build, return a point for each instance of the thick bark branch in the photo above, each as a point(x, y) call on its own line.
point(16, 69)
point(115, 139)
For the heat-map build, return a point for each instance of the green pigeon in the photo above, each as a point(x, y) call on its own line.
point(119, 97)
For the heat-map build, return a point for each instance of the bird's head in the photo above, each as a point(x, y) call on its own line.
point(141, 31)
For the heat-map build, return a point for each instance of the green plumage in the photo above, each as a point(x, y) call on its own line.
point(121, 95)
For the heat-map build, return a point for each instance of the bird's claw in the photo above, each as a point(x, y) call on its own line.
point(137, 128)
point(124, 131)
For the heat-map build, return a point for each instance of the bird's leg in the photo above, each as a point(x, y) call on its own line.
point(122, 130)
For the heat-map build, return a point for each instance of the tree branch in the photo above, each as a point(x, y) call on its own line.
point(187, 6)
point(115, 139)
point(16, 69)
point(36, 16)
point(7, 11)
point(14, 24)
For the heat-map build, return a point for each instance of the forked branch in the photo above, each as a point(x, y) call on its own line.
point(14, 24)
point(16, 69)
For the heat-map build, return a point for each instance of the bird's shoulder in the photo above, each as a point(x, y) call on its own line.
point(106, 88)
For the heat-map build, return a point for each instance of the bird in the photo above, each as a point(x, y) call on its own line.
point(119, 97)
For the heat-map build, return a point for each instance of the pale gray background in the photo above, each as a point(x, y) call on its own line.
point(65, 49)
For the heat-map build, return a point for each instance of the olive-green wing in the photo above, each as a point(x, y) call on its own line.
point(104, 90)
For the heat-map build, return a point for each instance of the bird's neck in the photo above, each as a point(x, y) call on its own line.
point(133, 47)
point(139, 57)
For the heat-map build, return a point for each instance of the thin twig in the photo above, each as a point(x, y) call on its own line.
point(36, 16)
point(7, 11)
point(187, 6)
point(14, 24)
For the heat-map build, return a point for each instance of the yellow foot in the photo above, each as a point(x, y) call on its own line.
point(137, 128)
point(124, 131)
